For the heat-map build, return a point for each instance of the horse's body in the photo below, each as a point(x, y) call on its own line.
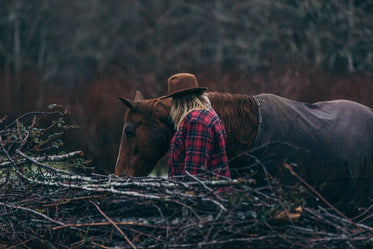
point(331, 141)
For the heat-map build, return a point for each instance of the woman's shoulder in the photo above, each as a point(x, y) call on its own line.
point(206, 116)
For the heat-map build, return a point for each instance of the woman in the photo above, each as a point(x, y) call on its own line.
point(198, 146)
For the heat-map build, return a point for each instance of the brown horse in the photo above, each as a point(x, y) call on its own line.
point(331, 141)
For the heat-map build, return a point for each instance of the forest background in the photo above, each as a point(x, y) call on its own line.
point(84, 54)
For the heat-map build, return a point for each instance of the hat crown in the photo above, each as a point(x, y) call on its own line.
point(181, 81)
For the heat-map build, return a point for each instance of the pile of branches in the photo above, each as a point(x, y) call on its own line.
point(45, 205)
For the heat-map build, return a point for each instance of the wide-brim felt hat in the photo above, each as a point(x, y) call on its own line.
point(183, 83)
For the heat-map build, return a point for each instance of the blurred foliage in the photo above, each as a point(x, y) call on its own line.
point(68, 40)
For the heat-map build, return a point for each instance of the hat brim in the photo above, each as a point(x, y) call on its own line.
point(185, 91)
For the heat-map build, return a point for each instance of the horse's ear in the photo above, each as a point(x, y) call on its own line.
point(127, 102)
point(138, 95)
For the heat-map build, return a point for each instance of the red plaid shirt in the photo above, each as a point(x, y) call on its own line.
point(199, 146)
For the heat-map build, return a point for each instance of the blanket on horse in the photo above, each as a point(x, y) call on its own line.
point(331, 142)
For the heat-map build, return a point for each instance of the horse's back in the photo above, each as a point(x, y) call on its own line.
point(334, 139)
point(338, 125)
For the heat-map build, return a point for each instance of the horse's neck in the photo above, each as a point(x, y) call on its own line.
point(239, 114)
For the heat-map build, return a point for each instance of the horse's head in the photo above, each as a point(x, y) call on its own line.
point(145, 137)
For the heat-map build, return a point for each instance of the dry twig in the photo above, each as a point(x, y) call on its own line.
point(42, 206)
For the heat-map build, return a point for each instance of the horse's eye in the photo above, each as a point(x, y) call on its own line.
point(130, 132)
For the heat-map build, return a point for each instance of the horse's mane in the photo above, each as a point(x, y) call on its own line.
point(150, 106)
point(239, 114)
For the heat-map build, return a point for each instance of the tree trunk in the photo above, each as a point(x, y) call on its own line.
point(17, 59)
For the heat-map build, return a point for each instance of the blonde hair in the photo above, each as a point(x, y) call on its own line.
point(183, 104)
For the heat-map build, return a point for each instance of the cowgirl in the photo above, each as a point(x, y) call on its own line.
point(198, 146)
